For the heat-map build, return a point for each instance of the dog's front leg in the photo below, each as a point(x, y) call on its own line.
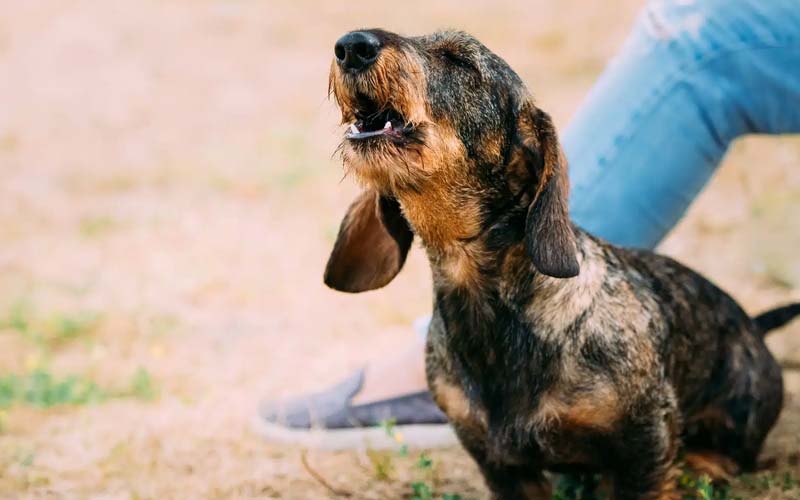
point(505, 481)
point(644, 463)
point(515, 483)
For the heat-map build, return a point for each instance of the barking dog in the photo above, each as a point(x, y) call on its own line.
point(549, 349)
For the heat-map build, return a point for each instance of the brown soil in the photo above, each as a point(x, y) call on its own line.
point(166, 164)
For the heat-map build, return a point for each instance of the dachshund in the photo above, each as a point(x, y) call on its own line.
point(549, 348)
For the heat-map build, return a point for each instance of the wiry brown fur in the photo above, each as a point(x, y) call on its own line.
point(549, 349)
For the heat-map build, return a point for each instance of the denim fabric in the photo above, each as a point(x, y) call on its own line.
point(692, 76)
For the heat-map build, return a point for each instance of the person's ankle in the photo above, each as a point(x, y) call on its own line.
point(402, 374)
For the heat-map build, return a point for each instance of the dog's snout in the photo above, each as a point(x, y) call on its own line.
point(357, 50)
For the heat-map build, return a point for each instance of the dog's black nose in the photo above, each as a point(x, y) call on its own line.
point(357, 50)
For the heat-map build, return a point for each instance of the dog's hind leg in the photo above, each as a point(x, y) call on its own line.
point(726, 437)
point(716, 466)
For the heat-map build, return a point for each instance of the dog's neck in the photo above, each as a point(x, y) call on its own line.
point(440, 216)
point(491, 301)
point(484, 274)
point(485, 266)
point(461, 244)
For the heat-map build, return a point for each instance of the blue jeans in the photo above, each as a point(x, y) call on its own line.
point(693, 76)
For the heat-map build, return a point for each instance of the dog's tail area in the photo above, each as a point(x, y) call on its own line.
point(776, 318)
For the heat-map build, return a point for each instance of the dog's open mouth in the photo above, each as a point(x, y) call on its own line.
point(372, 122)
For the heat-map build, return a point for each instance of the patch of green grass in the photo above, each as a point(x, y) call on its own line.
point(422, 491)
point(25, 457)
point(422, 487)
point(790, 483)
point(39, 387)
point(703, 489)
point(382, 464)
point(47, 332)
point(571, 487)
point(42, 389)
point(142, 386)
point(97, 225)
point(764, 482)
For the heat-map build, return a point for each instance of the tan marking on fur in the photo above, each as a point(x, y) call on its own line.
point(337, 88)
point(518, 173)
point(445, 209)
point(548, 412)
point(712, 415)
point(600, 410)
point(440, 216)
point(381, 168)
point(537, 490)
point(462, 264)
point(454, 403)
point(516, 261)
point(398, 80)
point(491, 145)
point(715, 465)
point(605, 489)
point(668, 489)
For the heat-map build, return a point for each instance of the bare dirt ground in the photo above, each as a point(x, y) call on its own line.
point(167, 202)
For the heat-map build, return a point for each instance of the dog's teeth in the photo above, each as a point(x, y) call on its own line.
point(353, 128)
point(388, 126)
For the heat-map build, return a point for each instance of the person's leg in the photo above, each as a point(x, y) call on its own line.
point(400, 373)
point(692, 76)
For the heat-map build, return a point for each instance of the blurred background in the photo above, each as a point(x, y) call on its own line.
point(168, 199)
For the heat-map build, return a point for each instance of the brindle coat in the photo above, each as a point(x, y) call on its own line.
point(549, 349)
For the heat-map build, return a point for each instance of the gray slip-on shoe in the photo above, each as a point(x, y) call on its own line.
point(329, 420)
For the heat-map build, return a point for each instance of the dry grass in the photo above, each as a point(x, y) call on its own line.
point(165, 169)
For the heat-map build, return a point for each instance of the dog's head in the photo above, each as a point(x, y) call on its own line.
point(441, 113)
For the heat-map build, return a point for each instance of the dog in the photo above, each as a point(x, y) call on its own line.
point(549, 349)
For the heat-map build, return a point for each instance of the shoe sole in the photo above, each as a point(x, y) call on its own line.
point(375, 438)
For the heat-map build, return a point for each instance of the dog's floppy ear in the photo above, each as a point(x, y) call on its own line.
point(550, 240)
point(371, 247)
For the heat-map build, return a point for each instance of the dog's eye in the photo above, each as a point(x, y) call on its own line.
point(459, 60)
